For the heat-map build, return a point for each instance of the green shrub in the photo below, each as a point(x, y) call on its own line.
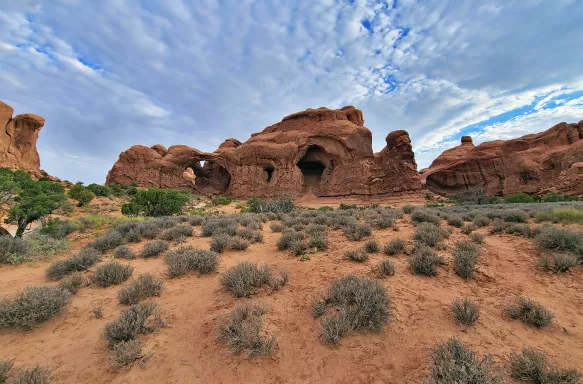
point(110, 240)
point(111, 273)
point(189, 259)
point(72, 283)
point(124, 252)
point(245, 278)
point(532, 365)
point(156, 202)
point(143, 287)
point(553, 197)
point(85, 258)
point(557, 263)
point(223, 200)
point(35, 375)
point(453, 362)
point(154, 248)
point(56, 228)
point(282, 204)
point(125, 353)
point(358, 255)
point(425, 261)
point(326, 209)
point(100, 190)
point(430, 234)
point(465, 258)
point(385, 268)
point(394, 246)
point(465, 311)
point(12, 249)
point(562, 215)
point(242, 329)
point(131, 322)
point(81, 194)
point(345, 207)
point(32, 306)
point(362, 305)
point(529, 312)
point(559, 239)
point(372, 246)
point(519, 198)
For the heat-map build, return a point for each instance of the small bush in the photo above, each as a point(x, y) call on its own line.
point(465, 311)
point(345, 207)
point(529, 312)
point(477, 238)
point(372, 246)
point(282, 204)
point(288, 238)
point(456, 221)
point(559, 239)
point(124, 252)
point(515, 216)
point(216, 226)
point(358, 231)
point(430, 234)
point(182, 230)
point(358, 255)
point(385, 268)
point(156, 202)
point(222, 200)
point(519, 198)
point(5, 367)
point(12, 249)
point(482, 221)
point(220, 243)
point(154, 248)
point(195, 220)
point(298, 247)
point(57, 229)
point(408, 208)
point(318, 240)
point(242, 329)
point(97, 311)
point(108, 241)
point(143, 287)
point(469, 228)
point(394, 246)
point(85, 258)
point(532, 365)
point(557, 263)
point(453, 362)
point(35, 375)
point(125, 352)
point(189, 259)
point(32, 306)
point(245, 278)
point(276, 227)
point(423, 216)
point(111, 273)
point(562, 215)
point(238, 244)
point(131, 322)
point(465, 258)
point(425, 261)
point(72, 283)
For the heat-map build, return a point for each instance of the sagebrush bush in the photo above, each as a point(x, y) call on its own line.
point(465, 258)
point(125, 352)
point(482, 221)
point(394, 246)
point(245, 278)
point(409, 208)
point(469, 228)
point(372, 246)
point(32, 306)
point(465, 311)
point(85, 258)
point(498, 226)
point(238, 244)
point(189, 259)
point(242, 329)
point(147, 230)
point(195, 220)
point(477, 237)
point(143, 287)
point(111, 273)
point(289, 237)
point(108, 241)
point(557, 263)
point(220, 242)
point(452, 362)
point(318, 240)
point(422, 216)
point(276, 227)
point(358, 255)
point(529, 312)
point(131, 322)
point(214, 226)
point(559, 239)
point(358, 231)
point(515, 216)
point(362, 304)
point(33, 375)
point(181, 230)
point(73, 283)
point(124, 252)
point(385, 268)
point(154, 248)
point(12, 249)
point(57, 229)
point(455, 220)
point(430, 234)
point(425, 261)
point(532, 365)
point(5, 367)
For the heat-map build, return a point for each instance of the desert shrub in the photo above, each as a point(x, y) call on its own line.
point(465, 258)
point(81, 194)
point(126, 227)
point(346, 207)
point(299, 247)
point(148, 230)
point(276, 227)
point(135, 235)
point(111, 273)
point(176, 232)
point(12, 249)
point(562, 215)
point(195, 220)
point(97, 311)
point(455, 220)
point(154, 248)
point(408, 208)
point(318, 240)
point(100, 190)
point(361, 304)
point(250, 234)
point(238, 244)
point(358, 255)
point(515, 216)
point(532, 365)
point(215, 226)
point(245, 278)
point(223, 200)
point(56, 228)
point(394, 246)
point(385, 268)
point(519, 230)
point(357, 232)
point(529, 312)
point(553, 197)
point(156, 202)
point(477, 237)
point(557, 263)
point(131, 322)
point(425, 261)
point(72, 283)
point(453, 362)
point(5, 367)
point(559, 239)
point(35, 375)
point(124, 252)
point(220, 243)
point(482, 221)
point(85, 258)
point(469, 228)
point(289, 237)
point(519, 198)
point(189, 259)
point(32, 306)
point(125, 352)
point(430, 234)
point(372, 246)
point(465, 311)
point(424, 216)
point(242, 329)
point(282, 204)
point(498, 226)
point(383, 222)
point(108, 241)
point(143, 287)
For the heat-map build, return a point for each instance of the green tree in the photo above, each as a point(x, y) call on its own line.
point(156, 202)
point(100, 190)
point(80, 193)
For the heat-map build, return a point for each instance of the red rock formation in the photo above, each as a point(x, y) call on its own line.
point(536, 163)
point(318, 151)
point(18, 138)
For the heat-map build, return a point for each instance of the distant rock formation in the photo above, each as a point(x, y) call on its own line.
point(18, 138)
point(318, 151)
point(550, 161)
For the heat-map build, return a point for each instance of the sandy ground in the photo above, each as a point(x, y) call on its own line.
point(187, 350)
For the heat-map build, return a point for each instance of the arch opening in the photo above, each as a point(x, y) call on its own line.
point(208, 178)
point(268, 171)
point(312, 166)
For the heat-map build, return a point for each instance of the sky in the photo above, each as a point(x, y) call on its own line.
point(109, 74)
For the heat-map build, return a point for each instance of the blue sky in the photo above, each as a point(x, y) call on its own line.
point(112, 73)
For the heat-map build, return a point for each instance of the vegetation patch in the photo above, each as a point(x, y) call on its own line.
point(430, 234)
point(156, 202)
point(189, 259)
point(132, 321)
point(532, 365)
point(154, 248)
point(465, 311)
point(372, 246)
point(244, 279)
point(385, 268)
point(125, 353)
point(465, 258)
point(242, 330)
point(73, 283)
point(425, 261)
point(557, 263)
point(394, 246)
point(529, 312)
point(143, 287)
point(32, 306)
point(124, 252)
point(111, 273)
point(83, 260)
point(357, 254)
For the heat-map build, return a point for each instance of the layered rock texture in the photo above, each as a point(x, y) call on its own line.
point(318, 151)
point(538, 163)
point(18, 136)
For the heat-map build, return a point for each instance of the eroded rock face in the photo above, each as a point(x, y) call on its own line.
point(18, 138)
point(318, 151)
point(536, 163)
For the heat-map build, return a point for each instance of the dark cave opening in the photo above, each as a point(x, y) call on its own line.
point(312, 165)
